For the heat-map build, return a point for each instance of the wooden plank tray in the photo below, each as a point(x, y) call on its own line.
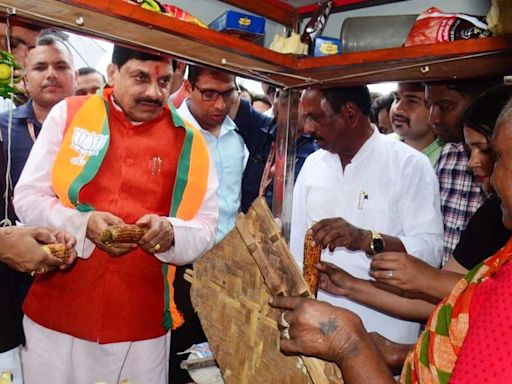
point(231, 287)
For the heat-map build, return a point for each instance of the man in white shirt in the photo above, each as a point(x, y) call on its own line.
point(367, 193)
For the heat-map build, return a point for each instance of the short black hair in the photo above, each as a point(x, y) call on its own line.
point(194, 71)
point(262, 98)
point(121, 55)
point(359, 95)
point(271, 91)
point(49, 40)
point(84, 71)
point(483, 113)
point(381, 102)
point(469, 87)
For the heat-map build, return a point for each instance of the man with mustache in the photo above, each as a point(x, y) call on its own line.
point(367, 193)
point(409, 119)
point(121, 157)
point(50, 76)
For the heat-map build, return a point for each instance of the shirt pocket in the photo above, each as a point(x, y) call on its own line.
point(160, 178)
point(380, 214)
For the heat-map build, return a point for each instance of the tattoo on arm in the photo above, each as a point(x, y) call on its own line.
point(329, 327)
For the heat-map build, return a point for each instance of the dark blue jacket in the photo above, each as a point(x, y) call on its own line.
point(258, 132)
point(21, 142)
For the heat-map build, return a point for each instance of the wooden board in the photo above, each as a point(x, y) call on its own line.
point(231, 287)
point(130, 24)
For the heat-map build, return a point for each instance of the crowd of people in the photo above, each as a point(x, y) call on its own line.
point(413, 213)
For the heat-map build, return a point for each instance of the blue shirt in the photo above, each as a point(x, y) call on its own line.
point(21, 142)
point(227, 152)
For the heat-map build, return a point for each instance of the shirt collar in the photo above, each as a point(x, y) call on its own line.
point(227, 126)
point(368, 147)
point(25, 111)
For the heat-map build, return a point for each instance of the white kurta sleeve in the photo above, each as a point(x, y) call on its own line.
point(299, 223)
point(194, 237)
point(420, 212)
point(35, 201)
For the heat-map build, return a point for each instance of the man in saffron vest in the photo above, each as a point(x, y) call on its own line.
point(121, 156)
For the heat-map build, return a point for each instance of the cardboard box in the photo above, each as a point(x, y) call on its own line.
point(325, 46)
point(247, 27)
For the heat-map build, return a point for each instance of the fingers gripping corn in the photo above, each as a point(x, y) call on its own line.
point(128, 233)
point(57, 250)
point(311, 258)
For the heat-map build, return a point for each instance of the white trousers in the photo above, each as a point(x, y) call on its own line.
point(10, 361)
point(58, 358)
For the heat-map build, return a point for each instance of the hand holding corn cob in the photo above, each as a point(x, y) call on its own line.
point(160, 235)
point(99, 232)
point(21, 248)
point(153, 233)
point(125, 233)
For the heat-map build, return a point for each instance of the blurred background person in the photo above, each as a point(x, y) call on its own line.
point(261, 103)
point(19, 39)
point(379, 113)
point(89, 80)
point(245, 93)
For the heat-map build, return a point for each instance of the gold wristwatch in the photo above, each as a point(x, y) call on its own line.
point(377, 243)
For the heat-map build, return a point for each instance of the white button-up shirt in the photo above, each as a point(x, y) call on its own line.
point(402, 200)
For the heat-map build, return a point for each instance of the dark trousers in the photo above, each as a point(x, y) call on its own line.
point(188, 334)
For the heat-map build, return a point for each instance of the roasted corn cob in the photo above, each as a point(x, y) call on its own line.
point(126, 233)
point(57, 250)
point(311, 258)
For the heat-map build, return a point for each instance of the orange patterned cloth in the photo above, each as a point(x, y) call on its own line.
point(433, 358)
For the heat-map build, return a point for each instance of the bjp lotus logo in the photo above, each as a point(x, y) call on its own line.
point(86, 144)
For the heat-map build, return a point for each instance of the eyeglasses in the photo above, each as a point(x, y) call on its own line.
point(212, 95)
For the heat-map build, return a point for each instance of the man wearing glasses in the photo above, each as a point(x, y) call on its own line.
point(211, 94)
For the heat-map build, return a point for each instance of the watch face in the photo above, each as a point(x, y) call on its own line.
point(378, 245)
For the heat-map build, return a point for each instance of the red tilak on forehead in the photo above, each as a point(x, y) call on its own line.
point(157, 71)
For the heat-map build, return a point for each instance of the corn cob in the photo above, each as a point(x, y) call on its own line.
point(126, 233)
point(57, 250)
point(311, 258)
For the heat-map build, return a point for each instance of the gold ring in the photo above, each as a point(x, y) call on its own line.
point(42, 269)
point(157, 247)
